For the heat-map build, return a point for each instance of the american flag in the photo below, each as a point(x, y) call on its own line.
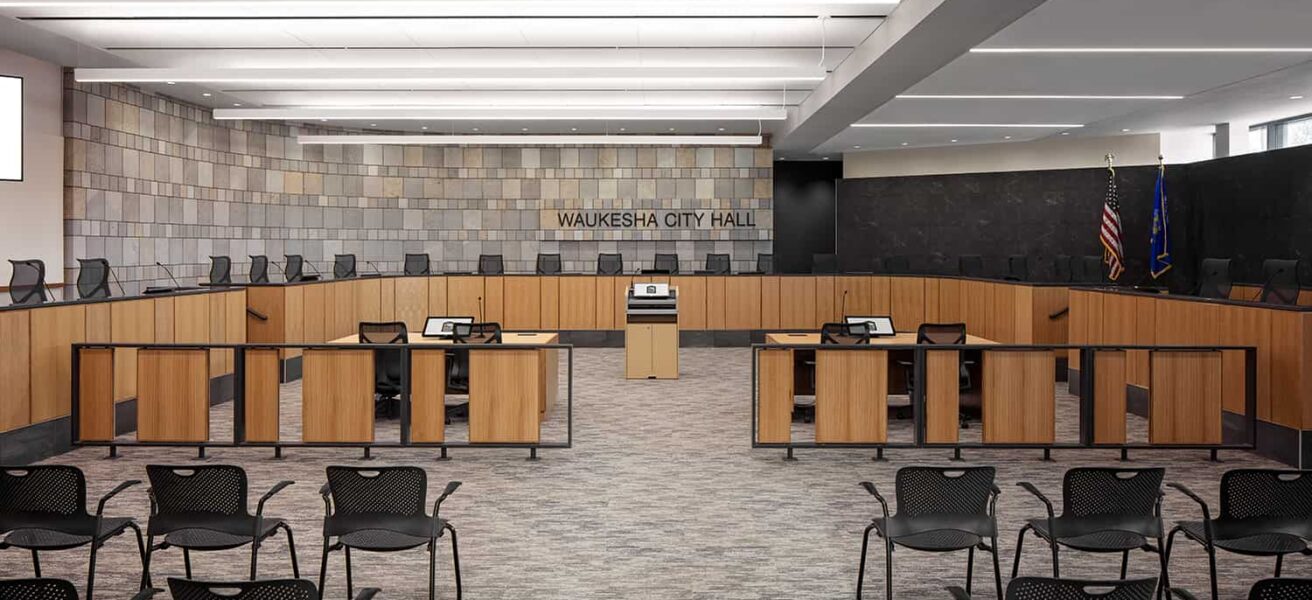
point(1110, 233)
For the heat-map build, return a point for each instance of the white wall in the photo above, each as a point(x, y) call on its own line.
point(1039, 155)
point(32, 210)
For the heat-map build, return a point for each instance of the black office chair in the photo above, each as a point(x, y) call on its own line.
point(938, 510)
point(389, 365)
point(478, 333)
point(897, 265)
point(765, 263)
point(220, 270)
point(1264, 512)
point(666, 263)
point(293, 269)
point(204, 508)
point(1045, 588)
point(845, 333)
point(1018, 268)
point(1280, 282)
point(610, 264)
point(548, 264)
point(1289, 588)
point(27, 283)
point(970, 265)
point(1214, 278)
point(417, 264)
point(945, 334)
point(259, 269)
point(1091, 270)
point(344, 266)
point(269, 589)
point(1104, 510)
point(381, 509)
point(92, 278)
point(490, 264)
point(44, 508)
point(48, 589)
point(824, 264)
point(717, 264)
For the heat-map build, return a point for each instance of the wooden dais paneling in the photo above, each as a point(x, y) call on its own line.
point(173, 395)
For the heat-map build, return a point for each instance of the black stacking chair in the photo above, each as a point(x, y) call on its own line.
point(1267, 589)
point(293, 270)
point(490, 264)
point(1090, 270)
point(666, 263)
point(1103, 510)
point(48, 589)
point(1044, 588)
point(610, 264)
point(824, 264)
point(548, 264)
point(938, 510)
point(44, 508)
point(1018, 268)
point(204, 508)
point(717, 264)
point(845, 333)
point(344, 266)
point(765, 263)
point(381, 509)
point(897, 265)
point(269, 589)
point(389, 365)
point(220, 270)
point(971, 265)
point(417, 264)
point(1214, 278)
point(1264, 512)
point(1063, 268)
point(259, 269)
point(1280, 279)
point(92, 278)
point(27, 283)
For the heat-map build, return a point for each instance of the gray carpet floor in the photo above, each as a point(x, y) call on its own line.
point(662, 497)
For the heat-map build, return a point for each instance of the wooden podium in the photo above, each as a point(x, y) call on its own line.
point(651, 332)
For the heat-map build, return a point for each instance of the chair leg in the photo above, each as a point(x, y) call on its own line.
point(186, 561)
point(291, 549)
point(323, 567)
point(432, 569)
point(1211, 567)
point(141, 550)
point(888, 567)
point(1280, 559)
point(1125, 562)
point(997, 569)
point(1163, 581)
point(455, 560)
point(861, 569)
point(91, 570)
point(350, 582)
point(1166, 563)
point(145, 568)
point(1056, 566)
point(1020, 543)
point(36, 563)
point(970, 567)
point(255, 556)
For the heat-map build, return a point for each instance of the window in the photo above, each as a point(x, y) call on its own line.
point(1285, 133)
point(1257, 139)
point(1298, 133)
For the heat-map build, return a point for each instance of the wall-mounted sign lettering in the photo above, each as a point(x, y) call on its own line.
point(655, 219)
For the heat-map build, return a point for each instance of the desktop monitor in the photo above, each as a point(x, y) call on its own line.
point(879, 326)
point(443, 327)
point(651, 290)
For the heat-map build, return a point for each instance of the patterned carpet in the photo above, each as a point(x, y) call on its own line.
point(661, 497)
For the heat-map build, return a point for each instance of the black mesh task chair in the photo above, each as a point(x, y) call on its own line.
point(389, 365)
point(1290, 588)
point(824, 264)
point(1280, 282)
point(666, 263)
point(1063, 268)
point(476, 333)
point(381, 509)
point(1018, 268)
point(293, 269)
point(947, 334)
point(259, 269)
point(1264, 512)
point(269, 589)
point(27, 284)
point(970, 265)
point(1090, 270)
point(48, 589)
point(92, 278)
point(1103, 510)
point(610, 264)
point(490, 264)
point(344, 266)
point(845, 333)
point(897, 265)
point(204, 508)
point(938, 510)
point(548, 264)
point(220, 270)
point(1045, 588)
point(765, 263)
point(717, 264)
point(1214, 278)
point(418, 264)
point(44, 508)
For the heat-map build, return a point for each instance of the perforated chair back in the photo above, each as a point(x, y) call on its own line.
point(37, 589)
point(259, 269)
point(271, 589)
point(378, 490)
point(1018, 267)
point(839, 333)
point(1214, 278)
point(1046, 588)
point(43, 489)
point(220, 270)
point(344, 266)
point(1281, 281)
point(486, 333)
point(197, 489)
point(1282, 588)
point(941, 333)
point(548, 264)
point(717, 264)
point(417, 264)
point(970, 266)
point(1266, 493)
point(27, 284)
point(1095, 491)
point(491, 264)
point(1063, 268)
point(897, 265)
point(1091, 270)
point(292, 269)
point(765, 263)
point(393, 332)
point(943, 490)
point(666, 262)
point(610, 264)
point(92, 278)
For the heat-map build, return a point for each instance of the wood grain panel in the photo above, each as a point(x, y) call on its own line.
point(96, 395)
point(15, 369)
point(1145, 334)
point(715, 302)
point(1290, 389)
point(825, 295)
point(851, 398)
point(742, 303)
point(619, 297)
point(774, 396)
point(907, 302)
point(411, 302)
point(950, 307)
point(932, 293)
point(549, 373)
point(494, 298)
point(523, 302)
point(52, 331)
point(387, 299)
point(132, 322)
point(770, 303)
point(308, 314)
point(1049, 301)
point(437, 304)
point(236, 333)
point(262, 398)
point(191, 319)
point(427, 395)
point(462, 296)
point(1019, 397)
point(578, 303)
point(1109, 369)
point(337, 403)
point(173, 397)
point(607, 317)
point(504, 392)
point(942, 396)
point(692, 302)
point(665, 350)
point(164, 321)
point(1007, 300)
point(550, 307)
point(368, 299)
point(637, 350)
point(797, 303)
point(268, 301)
point(220, 359)
point(1077, 325)
point(1242, 326)
point(98, 322)
point(1184, 397)
point(346, 309)
point(977, 307)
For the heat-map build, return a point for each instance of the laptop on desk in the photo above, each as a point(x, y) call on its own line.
point(881, 326)
point(443, 327)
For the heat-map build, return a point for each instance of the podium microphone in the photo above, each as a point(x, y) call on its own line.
point(375, 267)
point(176, 285)
point(844, 315)
point(316, 269)
point(480, 309)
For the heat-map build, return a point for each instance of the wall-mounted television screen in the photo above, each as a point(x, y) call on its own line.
point(11, 128)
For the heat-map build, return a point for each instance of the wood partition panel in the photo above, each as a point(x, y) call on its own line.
point(1290, 391)
point(462, 296)
point(345, 313)
point(268, 301)
point(797, 303)
point(620, 298)
point(770, 303)
point(742, 307)
point(1184, 397)
point(427, 395)
point(907, 302)
point(95, 391)
point(437, 300)
point(715, 302)
point(1241, 326)
point(1049, 301)
point(523, 302)
point(1109, 367)
point(220, 360)
point(950, 306)
point(1019, 396)
point(387, 308)
point(97, 328)
point(368, 299)
point(173, 395)
point(337, 396)
point(692, 302)
point(132, 322)
point(550, 308)
point(494, 298)
point(262, 396)
point(826, 311)
point(942, 396)
point(851, 397)
point(608, 319)
point(164, 320)
point(52, 331)
point(15, 373)
point(774, 419)
point(578, 303)
point(1004, 304)
point(191, 319)
point(504, 394)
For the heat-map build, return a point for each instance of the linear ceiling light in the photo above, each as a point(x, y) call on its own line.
point(535, 140)
point(1032, 97)
point(1146, 50)
point(994, 125)
point(512, 113)
point(456, 8)
point(711, 74)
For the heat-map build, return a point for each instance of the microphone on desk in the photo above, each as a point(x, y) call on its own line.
point(844, 315)
point(117, 282)
point(316, 269)
point(480, 309)
point(170, 273)
point(375, 267)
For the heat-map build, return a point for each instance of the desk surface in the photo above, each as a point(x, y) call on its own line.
point(507, 338)
point(813, 339)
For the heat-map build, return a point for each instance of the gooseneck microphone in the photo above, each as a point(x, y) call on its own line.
point(117, 282)
point(316, 269)
point(844, 315)
point(176, 285)
point(480, 309)
point(375, 267)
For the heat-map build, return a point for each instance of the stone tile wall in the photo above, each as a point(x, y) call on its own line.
point(149, 178)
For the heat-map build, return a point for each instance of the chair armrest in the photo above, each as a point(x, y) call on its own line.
point(995, 493)
point(1029, 487)
point(870, 487)
point(367, 594)
point(451, 488)
point(957, 592)
point(280, 486)
point(100, 507)
point(1207, 512)
point(146, 594)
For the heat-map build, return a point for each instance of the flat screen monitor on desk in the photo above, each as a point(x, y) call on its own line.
point(879, 326)
point(443, 327)
point(651, 290)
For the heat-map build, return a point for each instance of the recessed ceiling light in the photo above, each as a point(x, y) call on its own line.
point(236, 104)
point(857, 147)
point(1035, 97)
point(573, 128)
point(1125, 130)
point(206, 94)
point(1295, 97)
point(523, 129)
point(425, 128)
point(171, 82)
point(671, 129)
point(954, 141)
point(826, 158)
point(475, 129)
point(721, 129)
point(994, 125)
point(906, 143)
point(1006, 137)
point(1065, 133)
point(373, 124)
point(623, 129)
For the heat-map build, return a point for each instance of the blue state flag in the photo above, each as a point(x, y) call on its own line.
point(1160, 261)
